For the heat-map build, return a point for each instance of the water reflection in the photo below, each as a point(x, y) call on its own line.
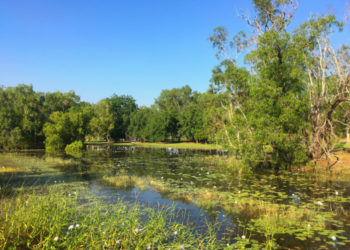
point(183, 178)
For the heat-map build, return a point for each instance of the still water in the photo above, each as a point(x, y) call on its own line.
point(294, 209)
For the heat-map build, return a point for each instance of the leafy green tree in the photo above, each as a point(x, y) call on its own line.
point(65, 128)
point(121, 106)
point(112, 117)
point(103, 121)
point(265, 110)
point(327, 82)
point(21, 119)
point(58, 101)
point(140, 120)
point(172, 103)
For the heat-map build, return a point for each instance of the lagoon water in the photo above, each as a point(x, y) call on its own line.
point(236, 202)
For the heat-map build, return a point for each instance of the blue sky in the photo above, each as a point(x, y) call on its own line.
point(98, 48)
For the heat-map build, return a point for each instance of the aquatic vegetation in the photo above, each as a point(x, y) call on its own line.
point(34, 220)
point(126, 182)
point(259, 209)
point(263, 211)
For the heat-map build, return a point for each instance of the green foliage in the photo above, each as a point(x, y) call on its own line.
point(65, 128)
point(75, 149)
point(21, 118)
point(112, 117)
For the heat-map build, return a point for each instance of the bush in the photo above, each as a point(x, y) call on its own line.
point(75, 149)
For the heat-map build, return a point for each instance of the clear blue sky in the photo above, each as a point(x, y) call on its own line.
point(98, 48)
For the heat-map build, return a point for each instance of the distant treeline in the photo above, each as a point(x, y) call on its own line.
point(289, 103)
point(32, 119)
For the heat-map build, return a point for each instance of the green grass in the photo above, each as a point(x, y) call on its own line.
point(56, 219)
point(179, 145)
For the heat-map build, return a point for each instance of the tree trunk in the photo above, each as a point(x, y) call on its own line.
point(348, 135)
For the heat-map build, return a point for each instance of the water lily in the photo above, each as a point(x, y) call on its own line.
point(117, 242)
point(334, 238)
point(214, 186)
point(182, 246)
point(56, 238)
point(70, 227)
point(175, 232)
point(320, 203)
point(239, 191)
point(207, 172)
point(243, 237)
point(149, 247)
point(336, 193)
point(77, 225)
point(308, 225)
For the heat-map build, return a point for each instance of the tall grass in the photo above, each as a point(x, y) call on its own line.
point(57, 219)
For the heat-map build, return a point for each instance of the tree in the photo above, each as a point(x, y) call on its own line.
point(264, 109)
point(112, 117)
point(139, 123)
point(328, 80)
point(66, 128)
point(172, 103)
point(103, 121)
point(21, 118)
point(282, 113)
point(122, 106)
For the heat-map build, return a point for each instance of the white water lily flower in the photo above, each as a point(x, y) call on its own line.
point(56, 238)
point(207, 172)
point(336, 193)
point(117, 242)
point(149, 247)
point(214, 186)
point(334, 238)
point(243, 237)
point(70, 227)
point(77, 225)
point(320, 203)
point(175, 232)
point(308, 225)
point(239, 191)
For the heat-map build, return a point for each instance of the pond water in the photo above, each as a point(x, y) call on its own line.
point(289, 209)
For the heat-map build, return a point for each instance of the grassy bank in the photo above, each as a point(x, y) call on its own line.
point(53, 218)
point(178, 145)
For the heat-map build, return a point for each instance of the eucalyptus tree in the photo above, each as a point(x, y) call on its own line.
point(281, 113)
point(327, 85)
